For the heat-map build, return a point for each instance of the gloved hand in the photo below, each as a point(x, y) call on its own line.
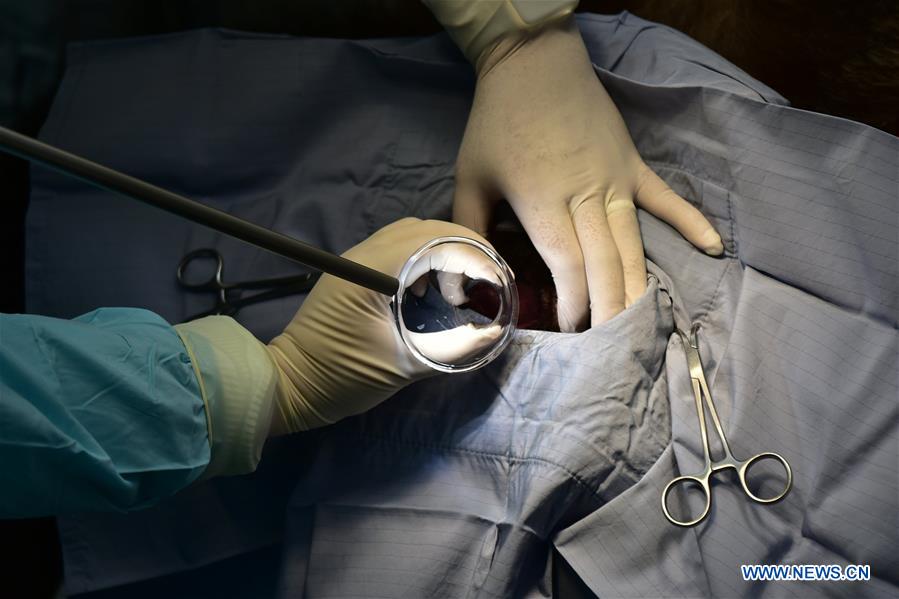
point(544, 135)
point(342, 355)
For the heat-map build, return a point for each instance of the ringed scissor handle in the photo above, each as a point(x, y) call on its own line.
point(703, 398)
point(214, 281)
point(211, 283)
point(275, 287)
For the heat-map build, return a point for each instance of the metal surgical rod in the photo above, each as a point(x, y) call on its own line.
point(106, 178)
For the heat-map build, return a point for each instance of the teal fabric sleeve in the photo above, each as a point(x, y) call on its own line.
point(102, 412)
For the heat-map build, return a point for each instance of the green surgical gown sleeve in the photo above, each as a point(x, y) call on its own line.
point(114, 410)
point(102, 412)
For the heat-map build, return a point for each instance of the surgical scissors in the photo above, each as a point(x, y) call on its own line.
point(277, 287)
point(701, 393)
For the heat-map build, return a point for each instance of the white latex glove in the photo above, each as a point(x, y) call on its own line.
point(544, 135)
point(342, 355)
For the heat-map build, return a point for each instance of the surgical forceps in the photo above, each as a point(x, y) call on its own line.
point(701, 393)
point(277, 287)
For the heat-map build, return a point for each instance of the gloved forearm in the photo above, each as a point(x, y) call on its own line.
point(475, 25)
point(102, 412)
point(238, 381)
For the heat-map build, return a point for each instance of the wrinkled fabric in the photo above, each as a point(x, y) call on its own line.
point(459, 485)
point(68, 443)
point(447, 489)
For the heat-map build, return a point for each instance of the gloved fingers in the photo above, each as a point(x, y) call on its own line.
point(602, 262)
point(654, 196)
point(626, 232)
point(389, 248)
point(455, 345)
point(452, 287)
point(549, 226)
point(458, 259)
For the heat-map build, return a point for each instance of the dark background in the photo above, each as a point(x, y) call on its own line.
point(832, 56)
